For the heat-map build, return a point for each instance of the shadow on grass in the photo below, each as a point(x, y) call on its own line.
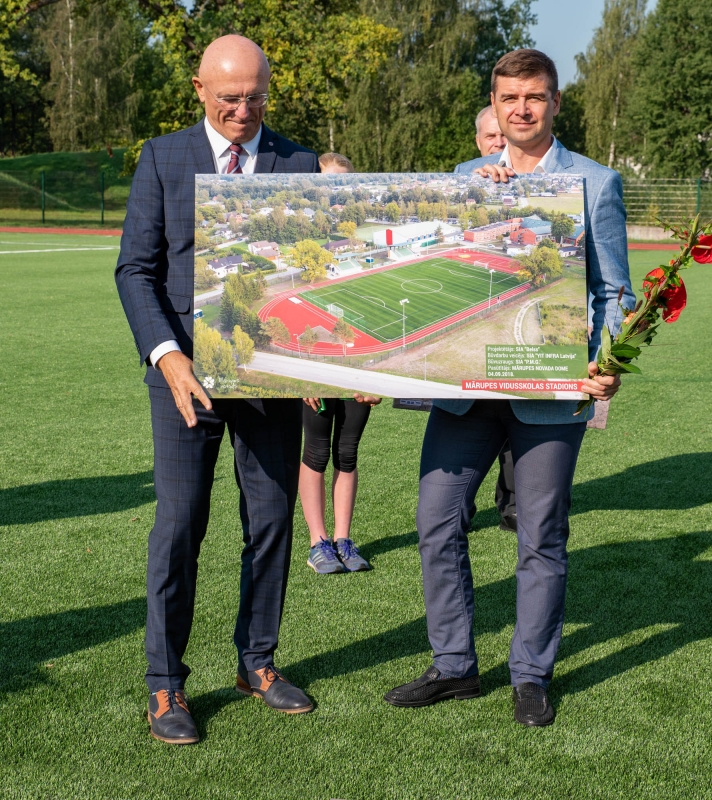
point(29, 645)
point(614, 590)
point(387, 543)
point(675, 482)
point(80, 497)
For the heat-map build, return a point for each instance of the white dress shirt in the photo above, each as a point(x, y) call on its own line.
point(221, 158)
point(505, 159)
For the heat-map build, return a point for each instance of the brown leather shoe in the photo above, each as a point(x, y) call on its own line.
point(170, 719)
point(274, 689)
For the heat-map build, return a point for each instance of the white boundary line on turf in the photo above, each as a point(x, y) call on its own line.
point(56, 250)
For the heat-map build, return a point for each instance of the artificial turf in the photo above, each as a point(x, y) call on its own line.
point(76, 503)
point(435, 289)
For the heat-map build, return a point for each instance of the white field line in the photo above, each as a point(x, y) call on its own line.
point(56, 250)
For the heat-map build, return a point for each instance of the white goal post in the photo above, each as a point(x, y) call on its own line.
point(335, 310)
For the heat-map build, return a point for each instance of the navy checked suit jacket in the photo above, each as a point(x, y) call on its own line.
point(606, 271)
point(154, 274)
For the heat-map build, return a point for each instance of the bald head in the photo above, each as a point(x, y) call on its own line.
point(233, 67)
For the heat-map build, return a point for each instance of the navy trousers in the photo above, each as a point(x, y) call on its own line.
point(458, 451)
point(266, 437)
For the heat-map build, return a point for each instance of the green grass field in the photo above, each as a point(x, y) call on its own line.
point(434, 288)
point(76, 504)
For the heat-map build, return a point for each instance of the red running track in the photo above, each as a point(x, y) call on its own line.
point(500, 263)
point(296, 316)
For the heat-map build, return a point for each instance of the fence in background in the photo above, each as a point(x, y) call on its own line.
point(46, 196)
point(669, 200)
point(95, 194)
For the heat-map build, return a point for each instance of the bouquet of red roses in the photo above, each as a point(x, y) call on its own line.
point(664, 294)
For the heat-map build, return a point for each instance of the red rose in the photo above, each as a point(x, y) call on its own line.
point(700, 254)
point(675, 297)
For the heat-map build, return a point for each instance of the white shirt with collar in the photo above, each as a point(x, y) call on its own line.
point(220, 147)
point(543, 166)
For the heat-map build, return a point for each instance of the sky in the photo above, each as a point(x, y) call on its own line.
point(564, 28)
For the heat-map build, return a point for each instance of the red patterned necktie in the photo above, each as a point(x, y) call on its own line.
point(233, 166)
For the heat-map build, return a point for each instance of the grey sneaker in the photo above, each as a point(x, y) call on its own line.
point(323, 559)
point(350, 557)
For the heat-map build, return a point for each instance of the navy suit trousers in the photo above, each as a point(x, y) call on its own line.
point(267, 444)
point(458, 451)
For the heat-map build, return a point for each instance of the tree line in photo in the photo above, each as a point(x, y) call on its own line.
point(396, 86)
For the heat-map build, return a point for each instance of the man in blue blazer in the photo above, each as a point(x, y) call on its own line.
point(463, 438)
point(154, 276)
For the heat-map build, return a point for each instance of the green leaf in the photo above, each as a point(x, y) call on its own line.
point(625, 350)
point(605, 342)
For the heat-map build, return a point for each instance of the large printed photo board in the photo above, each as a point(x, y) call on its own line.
point(396, 285)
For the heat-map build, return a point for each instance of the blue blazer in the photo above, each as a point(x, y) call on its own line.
point(154, 273)
point(606, 270)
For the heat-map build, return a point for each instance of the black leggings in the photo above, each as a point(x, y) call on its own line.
point(348, 419)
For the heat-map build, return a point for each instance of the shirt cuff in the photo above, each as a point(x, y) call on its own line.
point(158, 352)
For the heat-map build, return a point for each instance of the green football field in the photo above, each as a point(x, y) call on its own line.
point(435, 289)
point(631, 685)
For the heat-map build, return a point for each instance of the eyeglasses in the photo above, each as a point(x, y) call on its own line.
point(233, 103)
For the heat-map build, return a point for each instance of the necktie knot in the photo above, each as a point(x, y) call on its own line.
point(236, 151)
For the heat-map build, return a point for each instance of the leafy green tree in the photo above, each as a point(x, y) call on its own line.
point(204, 276)
point(669, 122)
point(570, 123)
point(348, 229)
point(540, 265)
point(276, 330)
point(311, 259)
point(343, 333)
point(213, 356)
point(322, 223)
point(308, 339)
point(244, 346)
point(608, 73)
point(562, 226)
point(421, 104)
point(392, 212)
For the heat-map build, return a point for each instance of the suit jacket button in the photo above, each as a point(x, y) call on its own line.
point(271, 144)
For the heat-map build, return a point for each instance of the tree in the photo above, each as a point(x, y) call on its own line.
point(244, 346)
point(315, 47)
point(562, 226)
point(311, 258)
point(392, 212)
point(607, 71)
point(541, 264)
point(348, 229)
point(343, 333)
point(669, 124)
point(308, 339)
point(204, 276)
point(423, 101)
point(276, 330)
point(570, 123)
point(213, 357)
point(322, 223)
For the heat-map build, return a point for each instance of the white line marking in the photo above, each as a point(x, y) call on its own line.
point(56, 250)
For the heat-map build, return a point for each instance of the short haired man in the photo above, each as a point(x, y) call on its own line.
point(155, 281)
point(488, 135)
point(463, 437)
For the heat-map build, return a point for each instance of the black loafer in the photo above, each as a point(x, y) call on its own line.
point(430, 688)
point(274, 689)
point(170, 719)
point(532, 706)
point(508, 523)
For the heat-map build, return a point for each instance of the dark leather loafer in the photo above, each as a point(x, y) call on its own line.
point(274, 689)
point(508, 523)
point(430, 688)
point(532, 706)
point(170, 719)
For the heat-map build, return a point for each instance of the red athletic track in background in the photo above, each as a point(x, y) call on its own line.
point(76, 231)
point(296, 316)
point(500, 263)
point(649, 246)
